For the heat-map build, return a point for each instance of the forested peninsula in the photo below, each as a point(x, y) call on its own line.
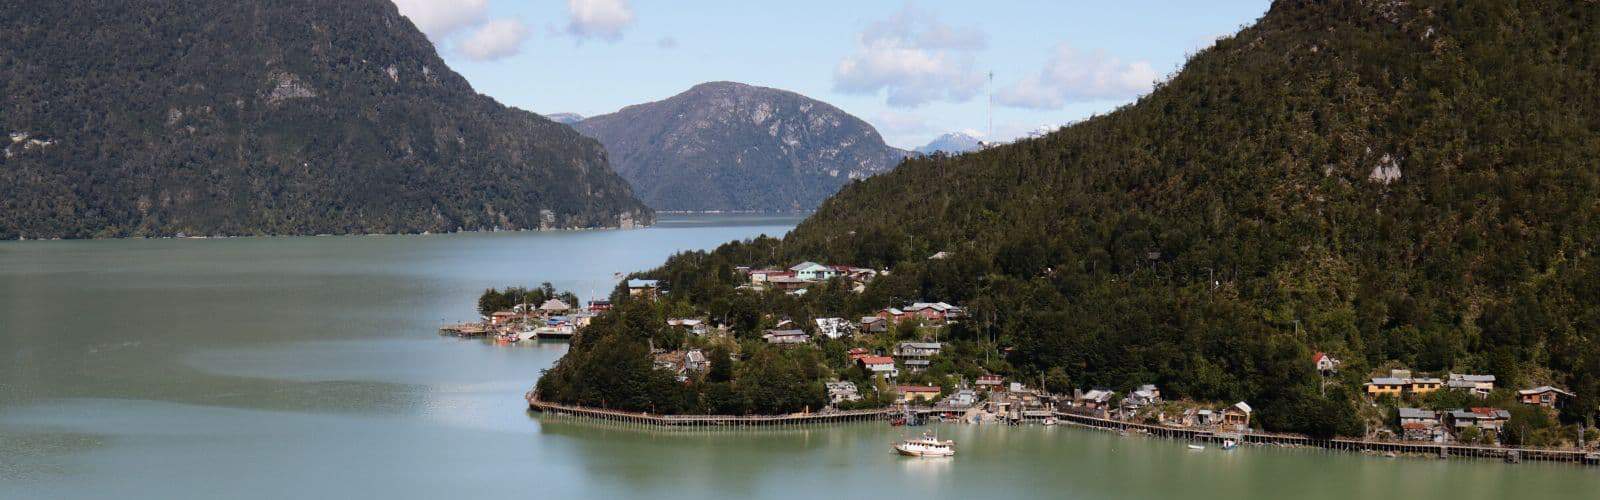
point(1397, 185)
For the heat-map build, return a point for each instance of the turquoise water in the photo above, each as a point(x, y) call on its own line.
point(310, 367)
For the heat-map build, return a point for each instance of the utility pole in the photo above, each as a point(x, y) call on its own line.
point(990, 134)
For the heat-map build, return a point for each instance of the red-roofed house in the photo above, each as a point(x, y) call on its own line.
point(879, 365)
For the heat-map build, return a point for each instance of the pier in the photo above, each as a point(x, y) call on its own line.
point(1415, 448)
point(795, 419)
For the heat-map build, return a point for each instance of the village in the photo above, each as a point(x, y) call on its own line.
point(896, 358)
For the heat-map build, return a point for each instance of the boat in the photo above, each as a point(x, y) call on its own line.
point(1048, 421)
point(1228, 444)
point(1196, 447)
point(897, 421)
point(926, 446)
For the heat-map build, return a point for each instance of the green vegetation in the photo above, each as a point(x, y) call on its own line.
point(494, 300)
point(1409, 183)
point(269, 117)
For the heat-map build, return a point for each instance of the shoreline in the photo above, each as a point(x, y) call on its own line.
point(1401, 449)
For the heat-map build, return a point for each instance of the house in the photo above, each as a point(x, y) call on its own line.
point(1237, 416)
point(879, 365)
point(918, 349)
point(673, 362)
point(856, 353)
point(1386, 386)
point(1401, 382)
point(787, 283)
point(842, 391)
point(834, 328)
point(811, 271)
point(647, 289)
point(991, 382)
point(1199, 417)
point(933, 312)
point(1420, 425)
point(1546, 396)
point(918, 365)
point(893, 315)
point(1484, 419)
point(874, 324)
point(554, 306)
point(759, 277)
point(786, 337)
point(502, 318)
point(1325, 363)
point(1145, 395)
point(598, 306)
point(912, 393)
point(1094, 399)
point(695, 361)
point(1478, 385)
point(963, 398)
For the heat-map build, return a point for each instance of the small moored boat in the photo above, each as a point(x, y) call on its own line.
point(1196, 447)
point(1228, 444)
point(926, 446)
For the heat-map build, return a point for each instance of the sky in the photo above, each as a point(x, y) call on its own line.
point(913, 69)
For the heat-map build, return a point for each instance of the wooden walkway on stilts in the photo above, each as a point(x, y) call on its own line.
point(1440, 450)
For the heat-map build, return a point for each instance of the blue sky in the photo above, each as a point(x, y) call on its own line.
point(913, 69)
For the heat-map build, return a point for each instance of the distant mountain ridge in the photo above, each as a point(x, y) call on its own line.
point(726, 146)
point(270, 117)
point(565, 118)
point(952, 143)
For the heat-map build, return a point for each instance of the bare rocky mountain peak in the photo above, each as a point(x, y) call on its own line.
point(726, 146)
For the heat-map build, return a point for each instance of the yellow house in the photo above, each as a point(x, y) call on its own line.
point(1425, 385)
point(1387, 386)
point(909, 393)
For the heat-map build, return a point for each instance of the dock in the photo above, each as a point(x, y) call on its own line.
point(729, 421)
point(1439, 450)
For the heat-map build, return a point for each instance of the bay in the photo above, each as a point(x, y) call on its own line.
point(309, 367)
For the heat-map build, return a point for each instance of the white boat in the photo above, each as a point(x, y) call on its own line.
point(926, 446)
point(1196, 447)
point(1048, 421)
point(1228, 444)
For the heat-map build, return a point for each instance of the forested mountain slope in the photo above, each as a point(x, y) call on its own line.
point(1402, 184)
point(269, 117)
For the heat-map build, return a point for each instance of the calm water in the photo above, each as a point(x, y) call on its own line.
point(310, 367)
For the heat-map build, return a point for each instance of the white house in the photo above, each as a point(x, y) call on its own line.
point(811, 271)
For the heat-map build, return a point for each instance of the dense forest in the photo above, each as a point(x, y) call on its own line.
point(269, 117)
point(1401, 184)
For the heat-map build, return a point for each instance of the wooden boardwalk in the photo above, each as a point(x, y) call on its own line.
point(794, 419)
point(1440, 450)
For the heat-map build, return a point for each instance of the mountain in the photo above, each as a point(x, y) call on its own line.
point(952, 143)
point(565, 118)
point(270, 117)
point(735, 147)
point(1398, 184)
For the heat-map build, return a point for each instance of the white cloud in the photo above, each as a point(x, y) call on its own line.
point(599, 19)
point(441, 18)
point(496, 39)
point(914, 59)
point(1074, 76)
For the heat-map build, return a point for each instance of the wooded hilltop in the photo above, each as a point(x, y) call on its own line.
point(1399, 184)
